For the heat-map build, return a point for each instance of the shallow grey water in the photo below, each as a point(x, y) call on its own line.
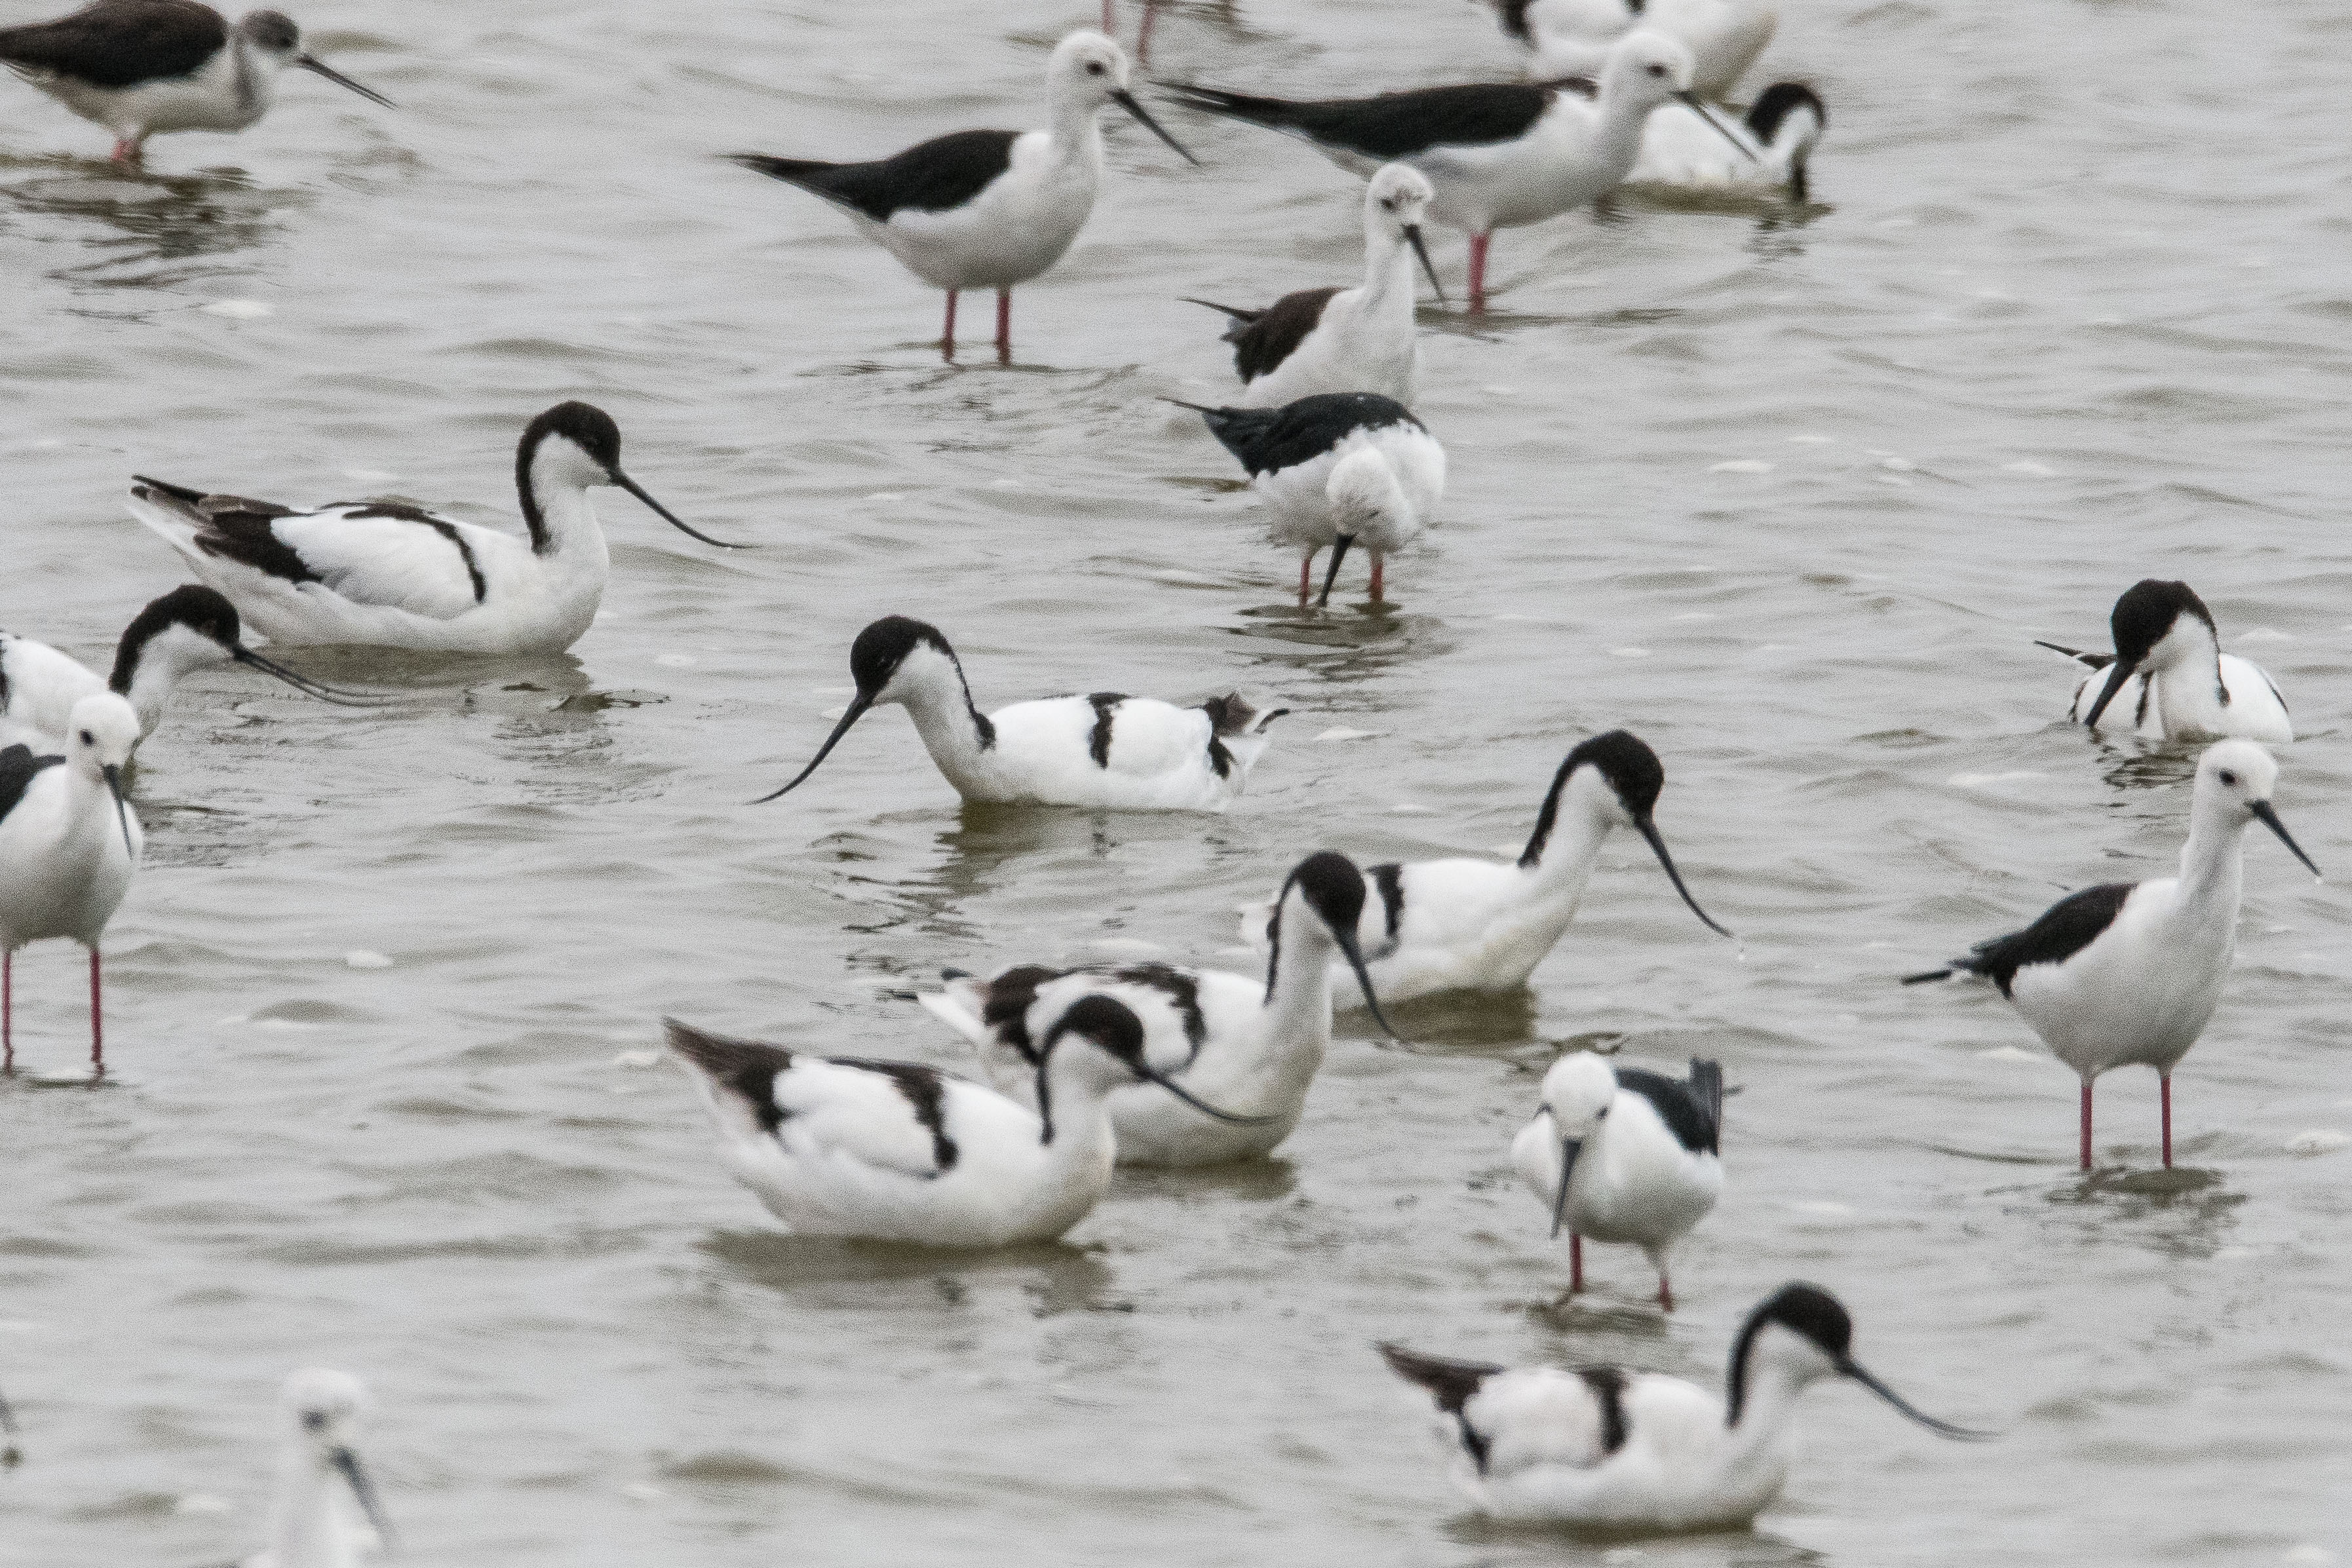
point(2073, 311)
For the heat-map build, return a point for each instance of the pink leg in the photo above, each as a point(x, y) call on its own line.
point(97, 1039)
point(1305, 583)
point(8, 1011)
point(947, 334)
point(1004, 326)
point(1377, 564)
point(1110, 18)
point(1144, 38)
point(1666, 1292)
point(1478, 271)
point(2164, 1093)
point(1575, 1262)
point(2086, 1124)
point(128, 153)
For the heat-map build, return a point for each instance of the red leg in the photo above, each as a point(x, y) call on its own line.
point(947, 334)
point(1110, 18)
point(1666, 1292)
point(2086, 1124)
point(8, 1012)
point(1004, 326)
point(127, 151)
point(1377, 564)
point(1575, 1262)
point(1478, 271)
point(1305, 583)
point(97, 1011)
point(1144, 38)
point(2164, 1093)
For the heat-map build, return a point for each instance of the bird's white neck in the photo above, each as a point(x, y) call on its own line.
point(2213, 862)
point(2186, 670)
point(1388, 270)
point(308, 1527)
point(254, 77)
point(168, 657)
point(556, 507)
point(1569, 854)
point(1298, 974)
point(1753, 1451)
point(1077, 130)
point(931, 686)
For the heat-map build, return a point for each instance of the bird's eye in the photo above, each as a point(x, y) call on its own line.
point(88, 738)
point(1094, 67)
point(1657, 70)
point(1389, 206)
point(2227, 777)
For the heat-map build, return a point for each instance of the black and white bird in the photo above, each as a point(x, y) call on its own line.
point(892, 1151)
point(1344, 340)
point(186, 629)
point(986, 209)
point(1250, 1045)
point(1498, 155)
point(69, 844)
point(1779, 132)
point(1625, 1156)
point(2128, 973)
point(389, 574)
point(1469, 923)
point(1606, 1448)
point(2168, 678)
point(1337, 469)
point(142, 68)
point(1105, 750)
point(325, 1514)
point(1573, 37)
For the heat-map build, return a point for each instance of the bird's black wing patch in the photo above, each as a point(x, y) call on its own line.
point(746, 1068)
point(1303, 430)
point(2066, 928)
point(18, 769)
point(1396, 124)
point(1183, 989)
point(1451, 1382)
point(248, 538)
point(1390, 879)
point(929, 177)
point(1675, 1106)
point(1608, 1385)
point(1004, 1007)
point(926, 1091)
point(120, 43)
point(1263, 342)
point(402, 512)
point(1106, 704)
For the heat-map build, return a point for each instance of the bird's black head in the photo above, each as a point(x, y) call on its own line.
point(1812, 1313)
point(584, 424)
point(1631, 770)
point(882, 646)
point(1332, 887)
point(2147, 611)
point(1105, 1022)
point(1777, 102)
point(271, 30)
point(202, 611)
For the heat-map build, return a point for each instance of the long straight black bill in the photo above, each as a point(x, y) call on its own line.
point(1203, 1106)
point(634, 489)
point(1569, 1149)
point(2269, 819)
point(1126, 101)
point(348, 1464)
point(1941, 1428)
point(849, 716)
point(1650, 832)
point(1412, 238)
point(1346, 940)
point(123, 810)
point(2117, 673)
point(1338, 553)
point(313, 62)
point(1690, 101)
point(306, 686)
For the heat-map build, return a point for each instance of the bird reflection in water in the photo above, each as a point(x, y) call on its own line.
point(137, 233)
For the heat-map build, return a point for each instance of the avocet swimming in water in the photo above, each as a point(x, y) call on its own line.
point(1107, 751)
point(1475, 925)
point(1498, 155)
point(144, 67)
point(1573, 38)
point(1781, 130)
point(1604, 1448)
point(1336, 470)
point(1360, 340)
point(2169, 679)
point(895, 1152)
point(1251, 1046)
point(185, 629)
point(69, 843)
point(986, 209)
point(1625, 1154)
point(312, 1521)
point(2129, 973)
point(392, 575)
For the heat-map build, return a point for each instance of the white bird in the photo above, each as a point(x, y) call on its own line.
point(2174, 681)
point(2129, 973)
point(1498, 155)
point(311, 1521)
point(1360, 340)
point(1625, 1154)
point(1253, 1046)
point(144, 67)
point(1107, 751)
point(388, 574)
point(69, 845)
point(895, 1152)
point(986, 209)
point(1604, 1448)
point(1475, 925)
point(1573, 38)
point(1779, 132)
point(1337, 469)
point(185, 629)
